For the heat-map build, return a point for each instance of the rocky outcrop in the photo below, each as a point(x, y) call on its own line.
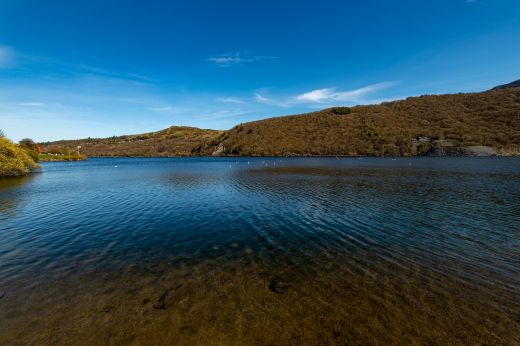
point(221, 149)
point(463, 151)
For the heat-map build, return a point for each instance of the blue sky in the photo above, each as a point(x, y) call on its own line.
point(74, 69)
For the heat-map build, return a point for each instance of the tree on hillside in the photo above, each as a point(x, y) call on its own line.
point(27, 143)
point(29, 146)
point(2, 134)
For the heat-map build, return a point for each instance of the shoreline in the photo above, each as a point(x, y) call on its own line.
point(284, 156)
point(62, 160)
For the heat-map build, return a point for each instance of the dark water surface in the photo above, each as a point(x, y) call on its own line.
point(262, 251)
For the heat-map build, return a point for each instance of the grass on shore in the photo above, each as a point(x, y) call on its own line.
point(46, 157)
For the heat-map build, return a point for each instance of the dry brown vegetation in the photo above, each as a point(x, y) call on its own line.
point(173, 141)
point(415, 126)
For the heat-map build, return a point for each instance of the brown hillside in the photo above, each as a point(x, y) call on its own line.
point(173, 141)
point(415, 126)
point(458, 124)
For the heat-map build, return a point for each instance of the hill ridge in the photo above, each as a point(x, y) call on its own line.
point(515, 84)
point(424, 125)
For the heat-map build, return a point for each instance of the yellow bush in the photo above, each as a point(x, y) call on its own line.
point(14, 161)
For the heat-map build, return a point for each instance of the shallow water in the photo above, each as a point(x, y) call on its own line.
point(262, 251)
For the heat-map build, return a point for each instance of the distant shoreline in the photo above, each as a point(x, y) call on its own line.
point(61, 157)
point(282, 156)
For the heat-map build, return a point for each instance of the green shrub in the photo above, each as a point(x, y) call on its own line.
point(341, 110)
point(14, 161)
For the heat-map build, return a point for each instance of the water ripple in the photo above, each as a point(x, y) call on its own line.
point(325, 223)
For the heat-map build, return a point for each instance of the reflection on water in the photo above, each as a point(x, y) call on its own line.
point(12, 194)
point(263, 251)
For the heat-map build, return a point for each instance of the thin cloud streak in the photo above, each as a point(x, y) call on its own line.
point(262, 99)
point(162, 109)
point(224, 114)
point(330, 95)
point(235, 58)
point(31, 104)
point(9, 57)
point(229, 100)
point(325, 96)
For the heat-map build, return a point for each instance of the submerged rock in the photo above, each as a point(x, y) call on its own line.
point(161, 302)
point(275, 287)
point(2, 293)
point(108, 309)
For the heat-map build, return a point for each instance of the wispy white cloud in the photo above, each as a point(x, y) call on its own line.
point(235, 58)
point(82, 69)
point(224, 114)
point(235, 100)
point(324, 96)
point(50, 67)
point(267, 100)
point(262, 99)
point(31, 104)
point(6, 57)
point(138, 76)
point(330, 95)
point(320, 96)
point(162, 109)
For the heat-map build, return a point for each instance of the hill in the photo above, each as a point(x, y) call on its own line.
point(485, 123)
point(173, 141)
point(437, 125)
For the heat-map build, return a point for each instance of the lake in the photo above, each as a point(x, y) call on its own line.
point(262, 251)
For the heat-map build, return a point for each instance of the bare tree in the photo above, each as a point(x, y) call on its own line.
point(2, 134)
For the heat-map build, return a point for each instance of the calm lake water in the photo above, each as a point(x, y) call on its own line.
point(262, 251)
